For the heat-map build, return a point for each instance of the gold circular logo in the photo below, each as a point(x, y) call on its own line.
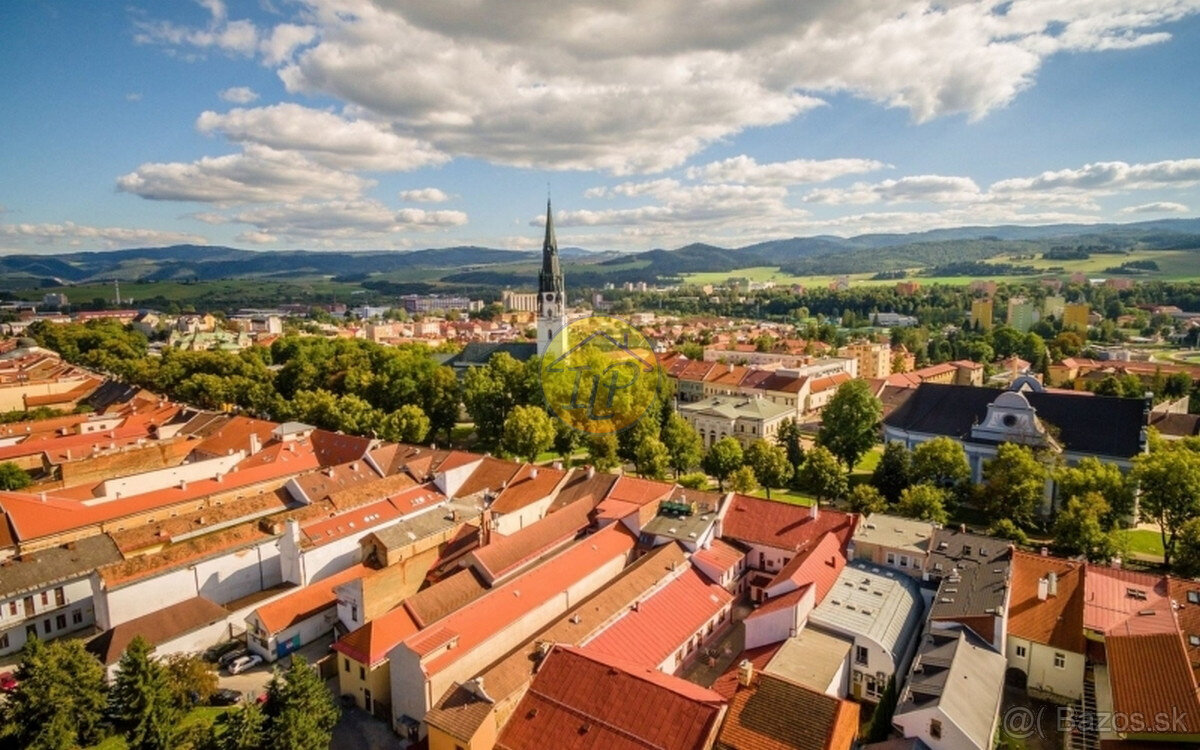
point(600, 374)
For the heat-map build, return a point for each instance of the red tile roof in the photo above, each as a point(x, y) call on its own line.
point(529, 485)
point(357, 520)
point(299, 605)
point(431, 604)
point(1151, 677)
point(1127, 601)
point(719, 555)
point(727, 683)
point(831, 381)
point(502, 606)
point(491, 474)
point(753, 520)
point(663, 622)
point(507, 554)
point(1056, 621)
point(820, 565)
point(235, 434)
point(777, 714)
point(782, 601)
point(580, 700)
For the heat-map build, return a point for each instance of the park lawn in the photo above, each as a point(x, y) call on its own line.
point(792, 497)
point(1145, 542)
point(868, 462)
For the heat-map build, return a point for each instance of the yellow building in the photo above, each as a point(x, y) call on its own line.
point(981, 314)
point(1076, 315)
point(874, 360)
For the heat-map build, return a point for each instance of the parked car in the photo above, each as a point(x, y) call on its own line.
point(8, 683)
point(232, 656)
point(243, 663)
point(216, 652)
point(225, 697)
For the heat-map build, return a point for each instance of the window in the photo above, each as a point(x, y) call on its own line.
point(46, 626)
point(1021, 652)
point(904, 561)
point(12, 608)
point(3, 640)
point(76, 617)
point(891, 558)
point(59, 597)
point(353, 613)
point(1194, 597)
point(1194, 640)
point(362, 673)
point(45, 598)
point(1060, 660)
point(935, 729)
point(60, 622)
point(860, 654)
point(346, 665)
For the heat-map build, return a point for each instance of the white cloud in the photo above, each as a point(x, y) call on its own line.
point(1108, 176)
point(257, 238)
point(322, 136)
point(918, 188)
point(424, 195)
point(347, 222)
point(798, 171)
point(284, 40)
point(78, 235)
point(258, 175)
point(239, 95)
point(133, 96)
point(236, 37)
point(1159, 207)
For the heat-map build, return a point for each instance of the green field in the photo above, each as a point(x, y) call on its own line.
point(1145, 542)
point(1174, 265)
point(215, 294)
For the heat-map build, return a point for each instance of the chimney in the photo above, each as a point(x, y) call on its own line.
point(1052, 583)
point(533, 473)
point(591, 471)
point(255, 443)
point(1043, 589)
point(42, 496)
point(814, 510)
point(745, 673)
point(557, 465)
point(1045, 551)
point(183, 484)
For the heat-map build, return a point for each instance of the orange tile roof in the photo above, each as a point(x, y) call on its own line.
point(1151, 677)
point(504, 605)
point(663, 622)
point(727, 683)
point(1126, 600)
point(580, 700)
point(369, 645)
point(1058, 620)
point(432, 603)
point(235, 434)
point(507, 554)
point(299, 605)
point(639, 491)
point(491, 475)
point(529, 485)
point(358, 520)
point(777, 714)
point(720, 555)
point(754, 520)
point(830, 381)
point(1188, 614)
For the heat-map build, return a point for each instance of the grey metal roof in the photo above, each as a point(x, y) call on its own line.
point(427, 524)
point(877, 603)
point(974, 572)
point(49, 567)
point(961, 674)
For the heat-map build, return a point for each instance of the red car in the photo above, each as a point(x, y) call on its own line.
point(8, 683)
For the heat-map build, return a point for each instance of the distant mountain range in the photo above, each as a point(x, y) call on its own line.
point(468, 265)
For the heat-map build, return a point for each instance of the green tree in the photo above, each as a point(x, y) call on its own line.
point(1187, 549)
point(492, 391)
point(941, 462)
point(893, 473)
point(743, 480)
point(770, 464)
point(880, 727)
point(301, 712)
point(1094, 475)
point(191, 679)
point(527, 432)
point(697, 480)
point(1079, 528)
point(1169, 479)
point(13, 477)
point(923, 502)
point(723, 458)
point(629, 439)
point(566, 440)
point(789, 436)
point(59, 700)
point(1006, 529)
point(602, 451)
point(683, 444)
point(244, 728)
point(140, 701)
point(1014, 484)
point(651, 458)
point(866, 499)
point(850, 421)
point(408, 424)
point(823, 474)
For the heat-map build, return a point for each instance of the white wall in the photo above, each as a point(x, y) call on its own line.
point(171, 476)
point(781, 624)
point(77, 598)
point(1042, 675)
point(917, 724)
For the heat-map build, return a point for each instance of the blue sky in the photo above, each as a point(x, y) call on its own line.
point(348, 124)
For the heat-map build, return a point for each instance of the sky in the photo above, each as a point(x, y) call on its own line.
point(356, 125)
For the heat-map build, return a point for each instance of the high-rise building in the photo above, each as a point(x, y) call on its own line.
point(981, 314)
point(1020, 314)
point(1052, 307)
point(552, 296)
point(1076, 315)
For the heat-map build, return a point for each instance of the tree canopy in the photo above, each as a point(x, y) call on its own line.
point(850, 421)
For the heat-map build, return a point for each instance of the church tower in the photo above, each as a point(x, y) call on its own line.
point(552, 299)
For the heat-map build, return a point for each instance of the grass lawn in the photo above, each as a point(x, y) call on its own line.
point(198, 715)
point(1145, 542)
point(867, 463)
point(786, 496)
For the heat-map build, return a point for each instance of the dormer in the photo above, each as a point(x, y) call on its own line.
point(1011, 419)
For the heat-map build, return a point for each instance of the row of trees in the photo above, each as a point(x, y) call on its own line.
point(62, 701)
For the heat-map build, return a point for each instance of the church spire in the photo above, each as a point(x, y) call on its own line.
point(550, 279)
point(552, 297)
point(550, 243)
